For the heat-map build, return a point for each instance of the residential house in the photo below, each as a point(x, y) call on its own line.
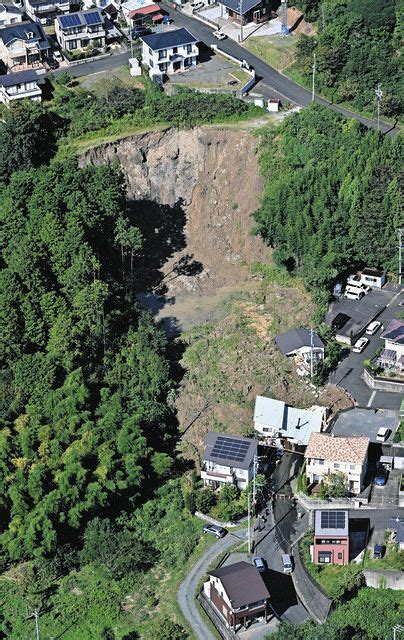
point(23, 46)
point(246, 11)
point(16, 86)
point(169, 51)
point(81, 30)
point(238, 594)
point(144, 15)
point(304, 345)
point(328, 454)
point(396, 527)
point(331, 537)
point(373, 277)
point(129, 8)
point(392, 356)
point(10, 14)
point(274, 418)
point(45, 11)
point(228, 460)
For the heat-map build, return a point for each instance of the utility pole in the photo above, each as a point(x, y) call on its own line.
point(35, 614)
point(311, 352)
point(254, 483)
point(379, 96)
point(241, 20)
point(400, 233)
point(249, 520)
point(399, 628)
point(284, 14)
point(313, 77)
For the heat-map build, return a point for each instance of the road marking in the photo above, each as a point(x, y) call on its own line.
point(372, 397)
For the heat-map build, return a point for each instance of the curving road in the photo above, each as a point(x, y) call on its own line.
point(186, 594)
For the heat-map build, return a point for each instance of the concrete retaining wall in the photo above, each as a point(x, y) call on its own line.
point(380, 578)
point(227, 525)
point(309, 592)
point(382, 384)
point(311, 504)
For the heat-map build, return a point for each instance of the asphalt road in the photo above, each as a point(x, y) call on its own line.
point(349, 372)
point(186, 594)
point(271, 82)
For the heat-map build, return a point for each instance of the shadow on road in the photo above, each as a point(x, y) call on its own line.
point(280, 586)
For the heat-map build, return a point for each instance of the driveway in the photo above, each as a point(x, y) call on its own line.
point(348, 374)
point(366, 422)
point(387, 496)
point(187, 591)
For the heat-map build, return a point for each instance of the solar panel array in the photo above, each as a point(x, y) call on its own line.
point(230, 449)
point(333, 520)
point(92, 18)
point(71, 20)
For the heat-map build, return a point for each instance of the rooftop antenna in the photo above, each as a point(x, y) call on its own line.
point(284, 27)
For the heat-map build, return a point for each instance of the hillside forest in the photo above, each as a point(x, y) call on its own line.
point(357, 47)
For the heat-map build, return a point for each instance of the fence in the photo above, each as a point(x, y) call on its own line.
point(382, 384)
point(310, 504)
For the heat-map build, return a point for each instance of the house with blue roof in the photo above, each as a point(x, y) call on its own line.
point(19, 86)
point(23, 46)
point(169, 51)
point(81, 30)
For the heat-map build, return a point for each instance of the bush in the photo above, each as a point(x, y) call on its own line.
point(205, 500)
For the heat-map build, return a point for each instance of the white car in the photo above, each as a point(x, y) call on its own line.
point(383, 434)
point(197, 5)
point(373, 328)
point(360, 345)
point(57, 56)
point(219, 35)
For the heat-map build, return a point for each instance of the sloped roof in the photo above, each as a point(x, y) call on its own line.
point(12, 79)
point(397, 524)
point(144, 11)
point(295, 424)
point(20, 31)
point(229, 450)
point(167, 39)
point(10, 8)
point(234, 5)
point(331, 522)
point(296, 339)
point(338, 449)
point(394, 332)
point(242, 583)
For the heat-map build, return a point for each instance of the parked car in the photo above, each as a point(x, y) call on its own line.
point(401, 303)
point(381, 477)
point(360, 345)
point(378, 551)
point(197, 5)
point(215, 530)
point(373, 328)
point(219, 35)
point(141, 31)
point(382, 434)
point(57, 56)
point(340, 320)
point(259, 563)
point(287, 563)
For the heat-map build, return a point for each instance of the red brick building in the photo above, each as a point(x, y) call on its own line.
point(331, 537)
point(238, 593)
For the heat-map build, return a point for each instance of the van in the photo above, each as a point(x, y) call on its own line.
point(353, 288)
point(357, 295)
point(287, 564)
point(382, 434)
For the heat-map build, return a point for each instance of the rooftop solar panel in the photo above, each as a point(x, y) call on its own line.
point(72, 20)
point(230, 449)
point(332, 519)
point(92, 18)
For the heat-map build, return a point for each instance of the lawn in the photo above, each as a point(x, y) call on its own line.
point(277, 51)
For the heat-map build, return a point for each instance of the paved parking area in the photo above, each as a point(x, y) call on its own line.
point(365, 422)
point(387, 496)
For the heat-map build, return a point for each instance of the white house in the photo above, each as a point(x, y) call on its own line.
point(327, 454)
point(274, 418)
point(81, 30)
point(392, 356)
point(228, 460)
point(301, 344)
point(45, 11)
point(169, 51)
point(10, 14)
point(23, 45)
point(16, 86)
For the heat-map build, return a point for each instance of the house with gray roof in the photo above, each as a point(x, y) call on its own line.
point(23, 46)
point(302, 344)
point(19, 86)
point(169, 51)
point(228, 459)
point(238, 594)
point(10, 14)
point(45, 11)
point(396, 526)
point(275, 419)
point(247, 11)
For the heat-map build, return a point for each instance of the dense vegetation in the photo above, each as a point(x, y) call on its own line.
point(332, 197)
point(357, 48)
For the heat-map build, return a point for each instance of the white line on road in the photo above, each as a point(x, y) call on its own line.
point(372, 397)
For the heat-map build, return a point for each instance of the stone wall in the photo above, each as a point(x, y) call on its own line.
point(382, 384)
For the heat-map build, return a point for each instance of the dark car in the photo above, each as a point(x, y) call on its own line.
point(141, 31)
point(215, 530)
point(259, 563)
point(378, 551)
point(339, 320)
point(381, 476)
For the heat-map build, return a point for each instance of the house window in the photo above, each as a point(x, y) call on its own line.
point(151, 63)
point(162, 54)
point(189, 48)
point(175, 49)
point(352, 467)
point(337, 465)
point(340, 556)
point(72, 44)
point(224, 610)
point(150, 52)
point(324, 557)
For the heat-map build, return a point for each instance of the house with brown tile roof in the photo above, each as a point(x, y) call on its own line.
point(328, 454)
